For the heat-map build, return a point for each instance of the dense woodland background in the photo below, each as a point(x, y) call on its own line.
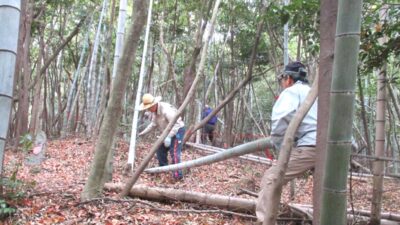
point(68, 52)
point(59, 40)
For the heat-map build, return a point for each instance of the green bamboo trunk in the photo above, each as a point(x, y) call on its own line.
point(341, 113)
point(9, 29)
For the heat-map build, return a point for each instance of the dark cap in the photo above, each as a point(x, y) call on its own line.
point(295, 67)
point(296, 70)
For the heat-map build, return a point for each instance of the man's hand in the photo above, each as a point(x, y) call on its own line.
point(167, 142)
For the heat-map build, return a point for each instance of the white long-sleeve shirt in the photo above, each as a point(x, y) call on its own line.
point(283, 111)
point(160, 119)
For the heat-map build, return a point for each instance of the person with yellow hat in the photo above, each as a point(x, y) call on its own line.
point(162, 114)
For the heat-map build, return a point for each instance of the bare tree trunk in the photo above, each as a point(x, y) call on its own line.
point(378, 165)
point(105, 93)
point(260, 114)
point(328, 16)
point(94, 184)
point(92, 79)
point(364, 117)
point(74, 88)
point(132, 143)
point(24, 70)
point(252, 116)
point(75, 113)
point(394, 100)
point(190, 69)
point(120, 34)
point(34, 125)
point(229, 109)
point(160, 194)
point(170, 62)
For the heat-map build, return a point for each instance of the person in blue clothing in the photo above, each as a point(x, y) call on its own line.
point(209, 128)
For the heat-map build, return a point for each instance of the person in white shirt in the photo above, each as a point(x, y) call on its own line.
point(162, 114)
point(295, 84)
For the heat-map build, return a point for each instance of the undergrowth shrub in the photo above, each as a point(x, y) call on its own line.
point(12, 189)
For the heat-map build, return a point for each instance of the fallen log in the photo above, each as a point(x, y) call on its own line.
point(163, 194)
point(227, 202)
point(243, 149)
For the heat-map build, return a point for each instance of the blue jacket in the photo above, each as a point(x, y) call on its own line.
point(207, 112)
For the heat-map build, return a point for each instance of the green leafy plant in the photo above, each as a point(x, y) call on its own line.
point(5, 209)
point(13, 191)
point(12, 187)
point(26, 142)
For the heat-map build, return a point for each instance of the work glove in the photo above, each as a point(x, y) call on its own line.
point(167, 142)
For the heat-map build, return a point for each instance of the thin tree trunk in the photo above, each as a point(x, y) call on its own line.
point(378, 166)
point(190, 70)
point(120, 35)
point(229, 107)
point(252, 116)
point(364, 117)
point(132, 144)
point(263, 124)
point(91, 83)
point(285, 39)
point(170, 63)
point(34, 125)
point(94, 185)
point(394, 100)
point(74, 88)
point(105, 93)
point(341, 121)
point(75, 114)
point(23, 70)
point(328, 16)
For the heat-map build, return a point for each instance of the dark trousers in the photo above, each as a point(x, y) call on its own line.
point(175, 150)
point(208, 132)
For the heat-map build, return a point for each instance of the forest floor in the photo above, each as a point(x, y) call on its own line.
point(53, 188)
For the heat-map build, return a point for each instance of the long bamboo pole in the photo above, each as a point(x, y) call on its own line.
point(132, 145)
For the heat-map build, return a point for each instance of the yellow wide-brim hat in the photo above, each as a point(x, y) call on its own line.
point(148, 100)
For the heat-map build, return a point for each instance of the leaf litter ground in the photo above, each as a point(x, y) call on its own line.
point(53, 189)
